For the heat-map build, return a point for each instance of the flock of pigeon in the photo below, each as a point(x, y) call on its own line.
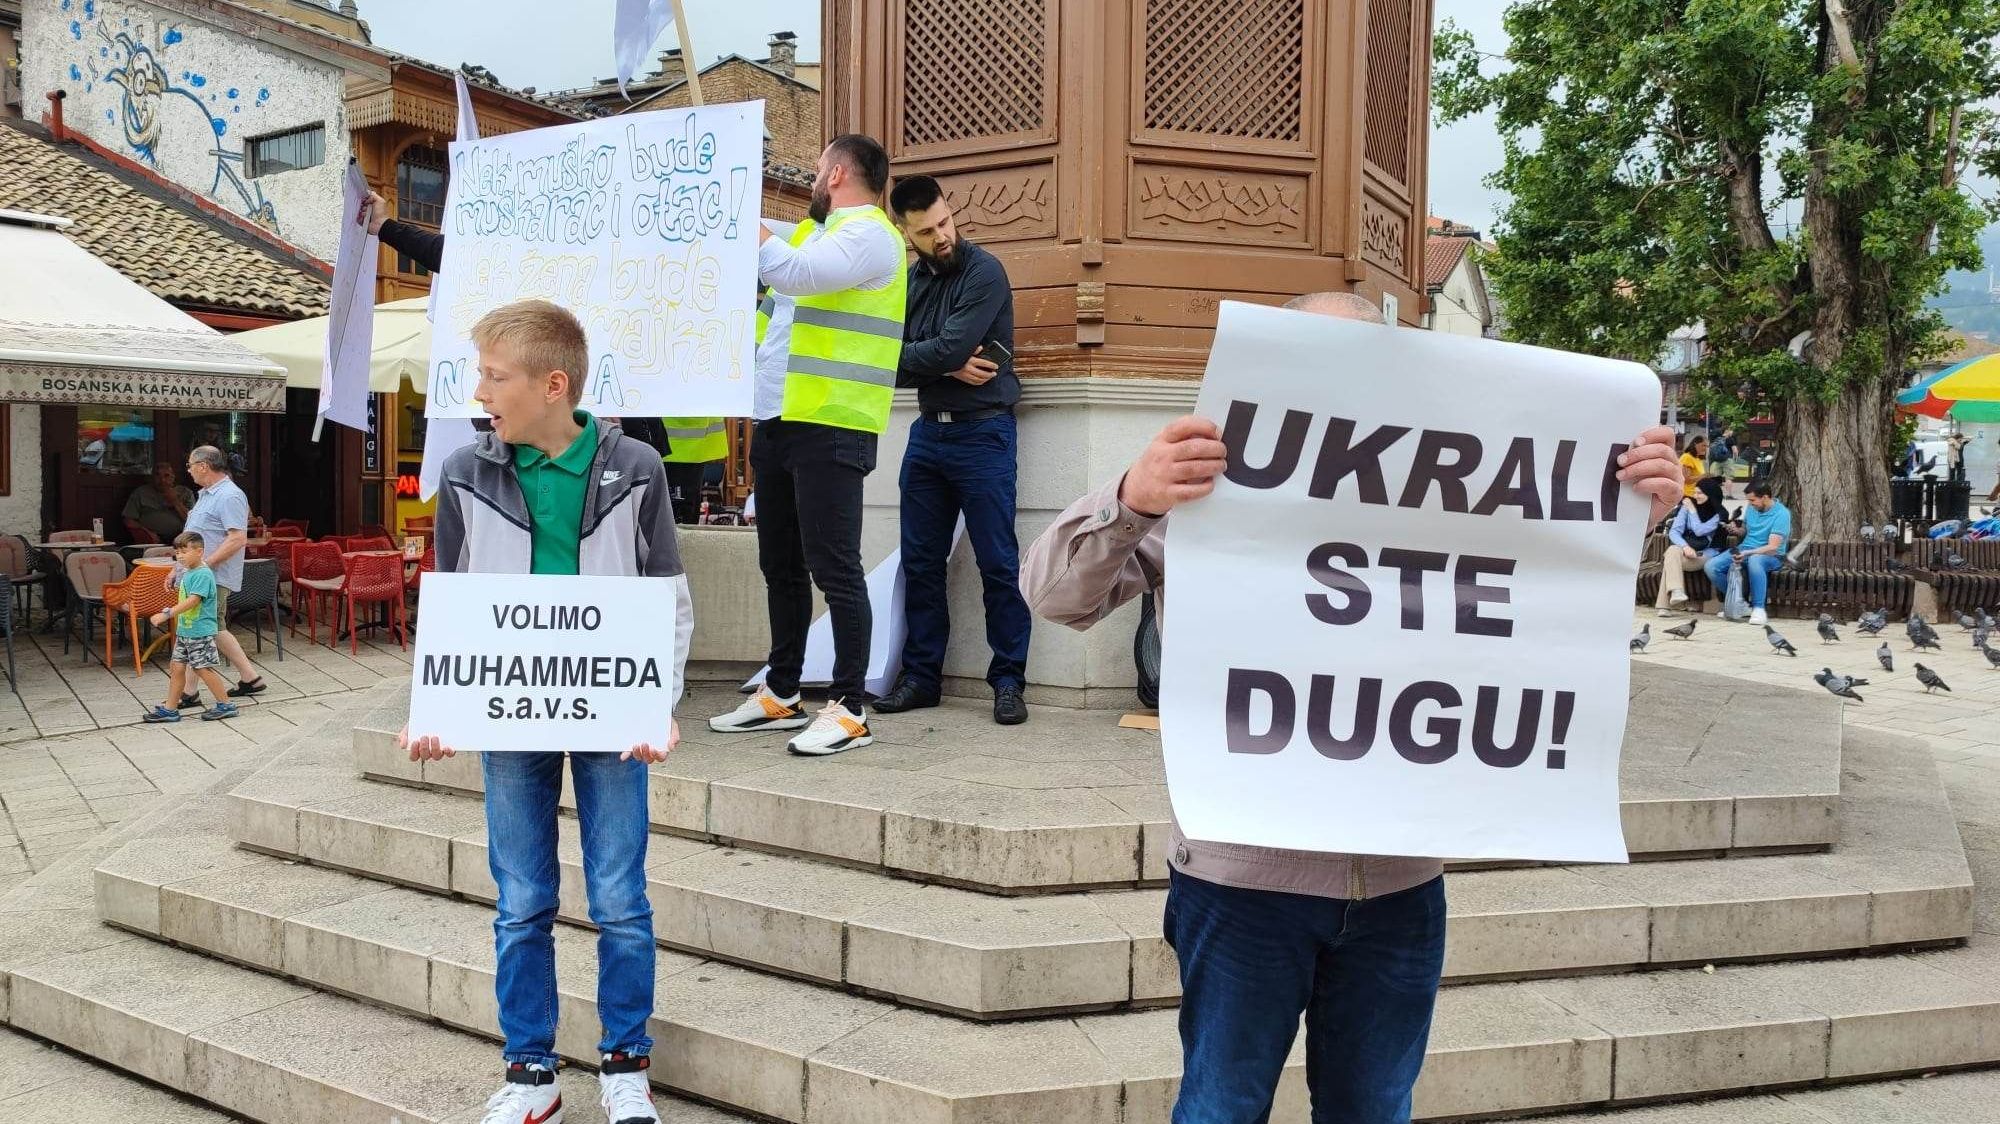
point(1978, 624)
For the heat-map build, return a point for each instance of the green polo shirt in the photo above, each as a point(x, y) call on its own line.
point(554, 488)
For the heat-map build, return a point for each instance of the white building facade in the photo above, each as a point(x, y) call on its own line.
point(244, 123)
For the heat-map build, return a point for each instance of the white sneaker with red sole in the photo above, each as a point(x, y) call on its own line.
point(530, 1096)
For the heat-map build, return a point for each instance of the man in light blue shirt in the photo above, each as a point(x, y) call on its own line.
point(1767, 530)
point(221, 516)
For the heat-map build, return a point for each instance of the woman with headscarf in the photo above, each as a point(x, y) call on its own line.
point(1693, 536)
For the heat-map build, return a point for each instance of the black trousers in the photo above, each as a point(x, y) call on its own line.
point(684, 484)
point(809, 533)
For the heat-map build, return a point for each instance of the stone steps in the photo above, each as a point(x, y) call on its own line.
point(266, 1049)
point(1072, 801)
point(1900, 880)
point(1953, 1098)
point(795, 1051)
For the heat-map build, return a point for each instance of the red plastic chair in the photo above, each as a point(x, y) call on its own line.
point(374, 579)
point(298, 526)
point(317, 577)
point(369, 542)
point(375, 531)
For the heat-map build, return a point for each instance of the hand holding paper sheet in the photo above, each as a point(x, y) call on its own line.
point(1400, 616)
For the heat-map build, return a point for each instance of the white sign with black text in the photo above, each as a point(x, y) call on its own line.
point(537, 662)
point(1398, 626)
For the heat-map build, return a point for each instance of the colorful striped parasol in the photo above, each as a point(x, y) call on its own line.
point(1967, 392)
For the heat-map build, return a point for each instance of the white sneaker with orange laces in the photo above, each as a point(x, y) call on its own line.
point(836, 730)
point(761, 711)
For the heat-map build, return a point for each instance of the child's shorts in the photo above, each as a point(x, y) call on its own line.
point(198, 652)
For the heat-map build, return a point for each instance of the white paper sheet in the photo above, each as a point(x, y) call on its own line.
point(350, 329)
point(1246, 605)
point(644, 225)
point(534, 662)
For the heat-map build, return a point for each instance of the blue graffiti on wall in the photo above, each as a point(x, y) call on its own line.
point(149, 90)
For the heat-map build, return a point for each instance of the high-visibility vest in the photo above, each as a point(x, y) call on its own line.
point(695, 440)
point(845, 345)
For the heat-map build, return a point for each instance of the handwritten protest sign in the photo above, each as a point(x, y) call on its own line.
point(643, 225)
point(521, 662)
point(1399, 623)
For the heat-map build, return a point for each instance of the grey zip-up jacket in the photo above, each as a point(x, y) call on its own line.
point(627, 528)
point(1096, 556)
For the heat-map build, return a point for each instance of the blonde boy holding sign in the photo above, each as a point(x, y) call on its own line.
point(1353, 943)
point(552, 490)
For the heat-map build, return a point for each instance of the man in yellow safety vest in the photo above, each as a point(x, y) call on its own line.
point(831, 333)
point(692, 445)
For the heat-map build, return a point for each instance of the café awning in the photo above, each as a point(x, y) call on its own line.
point(74, 330)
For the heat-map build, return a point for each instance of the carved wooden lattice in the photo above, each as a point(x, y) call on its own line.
point(1229, 68)
point(972, 68)
point(1386, 139)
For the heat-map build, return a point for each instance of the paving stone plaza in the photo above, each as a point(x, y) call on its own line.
point(962, 923)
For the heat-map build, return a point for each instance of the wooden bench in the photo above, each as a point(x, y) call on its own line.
point(1843, 578)
point(1959, 590)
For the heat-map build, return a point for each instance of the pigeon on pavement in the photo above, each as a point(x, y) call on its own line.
point(1872, 623)
point(1826, 630)
point(1992, 657)
point(1778, 642)
point(1644, 638)
point(1930, 680)
point(1967, 621)
point(1840, 684)
point(1885, 658)
point(1925, 639)
point(1981, 635)
point(1682, 631)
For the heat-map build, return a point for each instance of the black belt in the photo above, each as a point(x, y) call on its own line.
point(948, 417)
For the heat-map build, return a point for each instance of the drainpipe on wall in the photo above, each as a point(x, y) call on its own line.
point(56, 128)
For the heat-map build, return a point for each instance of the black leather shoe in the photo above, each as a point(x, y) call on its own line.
point(906, 696)
point(1009, 708)
point(190, 701)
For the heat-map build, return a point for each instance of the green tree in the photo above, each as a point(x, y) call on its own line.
point(1649, 144)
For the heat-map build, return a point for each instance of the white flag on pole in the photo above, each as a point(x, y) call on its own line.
point(639, 24)
point(350, 328)
point(445, 436)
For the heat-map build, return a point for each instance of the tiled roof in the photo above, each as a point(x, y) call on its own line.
point(182, 255)
point(1441, 256)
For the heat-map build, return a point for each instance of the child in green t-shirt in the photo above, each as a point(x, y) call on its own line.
point(195, 628)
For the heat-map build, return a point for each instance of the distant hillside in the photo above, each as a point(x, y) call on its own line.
point(1968, 305)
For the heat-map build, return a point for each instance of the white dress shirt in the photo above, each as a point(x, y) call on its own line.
point(860, 255)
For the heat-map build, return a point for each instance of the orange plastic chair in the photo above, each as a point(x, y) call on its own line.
point(374, 579)
point(147, 591)
point(317, 577)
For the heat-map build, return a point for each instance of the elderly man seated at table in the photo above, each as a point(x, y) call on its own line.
point(159, 507)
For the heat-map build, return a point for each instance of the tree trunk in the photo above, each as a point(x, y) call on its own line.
point(1832, 463)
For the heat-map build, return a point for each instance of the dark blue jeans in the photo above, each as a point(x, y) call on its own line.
point(1364, 973)
point(949, 469)
point(522, 792)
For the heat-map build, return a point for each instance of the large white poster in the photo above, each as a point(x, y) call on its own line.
point(527, 662)
point(1398, 626)
point(643, 225)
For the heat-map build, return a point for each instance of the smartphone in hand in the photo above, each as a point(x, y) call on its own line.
point(996, 352)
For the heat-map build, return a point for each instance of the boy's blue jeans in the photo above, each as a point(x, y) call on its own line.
point(1756, 574)
point(522, 792)
point(1363, 973)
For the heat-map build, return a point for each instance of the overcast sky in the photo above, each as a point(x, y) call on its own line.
point(524, 42)
point(519, 42)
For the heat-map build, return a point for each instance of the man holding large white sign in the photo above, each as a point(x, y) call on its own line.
point(556, 629)
point(644, 225)
point(1380, 540)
